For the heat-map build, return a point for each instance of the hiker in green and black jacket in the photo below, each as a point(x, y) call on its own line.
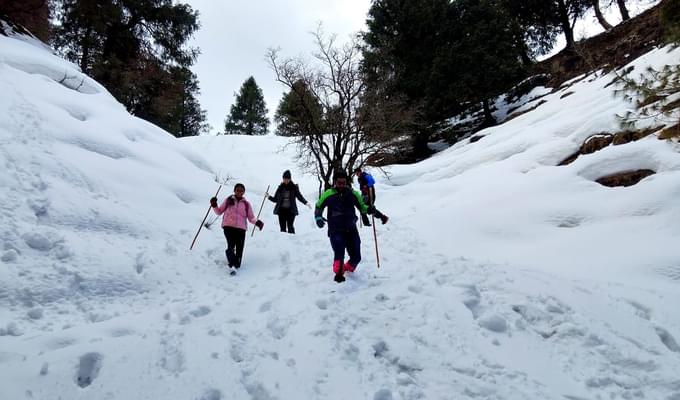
point(341, 201)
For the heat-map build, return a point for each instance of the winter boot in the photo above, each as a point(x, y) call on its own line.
point(349, 267)
point(338, 269)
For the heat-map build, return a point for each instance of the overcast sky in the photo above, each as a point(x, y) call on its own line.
point(235, 35)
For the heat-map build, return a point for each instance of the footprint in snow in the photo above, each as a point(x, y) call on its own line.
point(265, 307)
point(322, 304)
point(88, 369)
point(667, 339)
point(211, 394)
point(201, 311)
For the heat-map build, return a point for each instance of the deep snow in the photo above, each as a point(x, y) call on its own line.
point(503, 276)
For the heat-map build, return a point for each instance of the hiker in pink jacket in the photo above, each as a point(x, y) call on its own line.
point(236, 211)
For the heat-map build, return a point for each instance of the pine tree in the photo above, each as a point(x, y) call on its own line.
point(533, 27)
point(298, 111)
point(487, 61)
point(32, 15)
point(248, 115)
point(405, 56)
point(566, 13)
point(193, 119)
point(670, 20)
point(131, 47)
point(655, 92)
point(182, 112)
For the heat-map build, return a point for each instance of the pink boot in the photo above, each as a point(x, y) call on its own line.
point(336, 266)
point(349, 267)
point(338, 269)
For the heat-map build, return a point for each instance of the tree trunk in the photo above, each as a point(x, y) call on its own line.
point(489, 120)
point(566, 24)
point(420, 148)
point(600, 18)
point(624, 11)
point(524, 53)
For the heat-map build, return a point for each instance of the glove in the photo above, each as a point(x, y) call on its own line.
point(259, 224)
point(213, 202)
point(320, 222)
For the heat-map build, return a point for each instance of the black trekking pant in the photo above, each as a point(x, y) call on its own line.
point(286, 220)
point(236, 238)
point(369, 196)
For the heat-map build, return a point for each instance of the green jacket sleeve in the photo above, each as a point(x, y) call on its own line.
point(363, 208)
point(321, 203)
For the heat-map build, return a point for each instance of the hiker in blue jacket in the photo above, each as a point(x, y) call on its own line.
point(367, 188)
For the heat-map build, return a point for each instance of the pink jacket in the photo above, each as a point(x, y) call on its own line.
point(236, 212)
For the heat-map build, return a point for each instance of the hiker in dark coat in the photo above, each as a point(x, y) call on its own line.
point(341, 200)
point(286, 206)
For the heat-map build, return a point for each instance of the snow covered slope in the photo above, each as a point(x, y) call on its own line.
point(503, 276)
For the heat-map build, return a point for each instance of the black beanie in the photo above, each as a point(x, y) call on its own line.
point(340, 175)
point(286, 174)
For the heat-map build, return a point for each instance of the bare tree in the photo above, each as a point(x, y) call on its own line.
point(337, 131)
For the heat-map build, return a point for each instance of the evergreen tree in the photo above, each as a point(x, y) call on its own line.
point(670, 20)
point(32, 15)
point(182, 112)
point(248, 115)
point(405, 56)
point(131, 47)
point(487, 60)
point(543, 18)
point(532, 26)
point(567, 12)
point(298, 111)
point(193, 119)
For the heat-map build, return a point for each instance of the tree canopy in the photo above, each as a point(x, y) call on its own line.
point(248, 114)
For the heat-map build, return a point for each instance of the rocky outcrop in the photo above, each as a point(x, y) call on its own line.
point(627, 178)
point(599, 141)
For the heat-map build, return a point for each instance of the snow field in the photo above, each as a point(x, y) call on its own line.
point(502, 276)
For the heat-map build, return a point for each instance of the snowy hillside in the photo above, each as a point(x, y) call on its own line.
point(503, 275)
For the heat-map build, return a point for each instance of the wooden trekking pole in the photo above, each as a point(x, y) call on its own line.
point(261, 205)
point(204, 218)
point(375, 236)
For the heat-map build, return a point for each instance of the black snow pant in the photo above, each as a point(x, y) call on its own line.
point(236, 238)
point(346, 240)
point(369, 200)
point(286, 220)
